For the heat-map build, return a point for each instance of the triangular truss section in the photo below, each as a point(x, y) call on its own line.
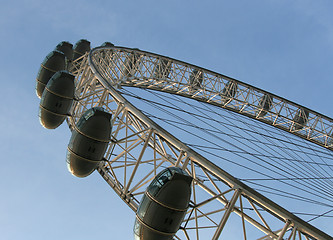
point(139, 149)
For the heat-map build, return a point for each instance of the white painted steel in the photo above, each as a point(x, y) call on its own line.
point(140, 148)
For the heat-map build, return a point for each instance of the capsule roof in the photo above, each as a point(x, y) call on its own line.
point(164, 205)
point(80, 48)
point(56, 100)
point(170, 181)
point(107, 44)
point(62, 84)
point(66, 48)
point(93, 122)
point(89, 142)
point(53, 62)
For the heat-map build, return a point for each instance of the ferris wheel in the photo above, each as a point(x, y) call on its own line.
point(159, 120)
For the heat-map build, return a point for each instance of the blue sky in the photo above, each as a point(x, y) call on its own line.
point(285, 47)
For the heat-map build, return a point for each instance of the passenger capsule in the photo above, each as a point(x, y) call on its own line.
point(229, 91)
point(196, 79)
point(300, 119)
point(106, 54)
point(265, 105)
point(89, 141)
point(53, 62)
point(57, 99)
point(80, 48)
point(162, 69)
point(130, 64)
point(107, 44)
point(163, 206)
point(66, 48)
point(330, 140)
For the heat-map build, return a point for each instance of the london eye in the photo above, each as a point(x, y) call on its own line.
point(257, 165)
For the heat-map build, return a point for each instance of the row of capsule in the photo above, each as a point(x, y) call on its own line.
point(56, 87)
point(59, 60)
point(300, 118)
point(55, 84)
point(196, 78)
point(166, 200)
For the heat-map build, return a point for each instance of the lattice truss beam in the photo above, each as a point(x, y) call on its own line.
point(139, 150)
point(132, 67)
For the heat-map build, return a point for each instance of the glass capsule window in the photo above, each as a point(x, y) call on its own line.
point(88, 114)
point(137, 230)
point(178, 170)
point(85, 117)
point(154, 187)
point(165, 177)
point(145, 202)
point(162, 178)
point(72, 139)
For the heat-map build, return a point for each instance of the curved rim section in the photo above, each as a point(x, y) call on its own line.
point(109, 82)
point(137, 68)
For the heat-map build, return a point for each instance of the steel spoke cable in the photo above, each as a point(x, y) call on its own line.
point(320, 215)
point(328, 188)
point(286, 179)
point(238, 149)
point(306, 171)
point(313, 183)
point(298, 198)
point(250, 160)
point(224, 123)
point(287, 194)
point(330, 167)
point(262, 155)
point(321, 158)
point(268, 176)
point(196, 115)
point(225, 149)
point(280, 132)
point(316, 171)
point(266, 137)
point(295, 213)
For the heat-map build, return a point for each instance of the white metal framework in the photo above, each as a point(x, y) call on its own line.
point(140, 148)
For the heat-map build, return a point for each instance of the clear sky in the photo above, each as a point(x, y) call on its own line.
point(282, 46)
